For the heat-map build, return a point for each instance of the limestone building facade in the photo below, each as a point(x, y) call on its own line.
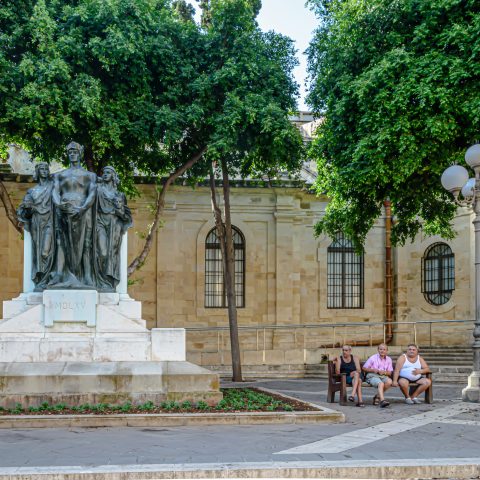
point(297, 292)
point(298, 295)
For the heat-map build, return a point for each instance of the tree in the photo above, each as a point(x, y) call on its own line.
point(142, 86)
point(398, 86)
point(116, 76)
point(251, 73)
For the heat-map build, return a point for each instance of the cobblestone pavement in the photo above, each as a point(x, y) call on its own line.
point(448, 429)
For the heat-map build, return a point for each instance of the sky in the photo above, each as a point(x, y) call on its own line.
point(291, 18)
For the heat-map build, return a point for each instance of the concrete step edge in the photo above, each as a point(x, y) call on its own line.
point(461, 468)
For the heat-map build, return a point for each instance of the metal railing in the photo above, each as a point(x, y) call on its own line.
point(261, 338)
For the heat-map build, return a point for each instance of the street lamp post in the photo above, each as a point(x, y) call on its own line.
point(466, 193)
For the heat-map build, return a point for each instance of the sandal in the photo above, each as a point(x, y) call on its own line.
point(384, 404)
point(351, 398)
point(376, 400)
point(360, 404)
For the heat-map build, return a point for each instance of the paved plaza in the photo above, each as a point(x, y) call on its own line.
point(445, 434)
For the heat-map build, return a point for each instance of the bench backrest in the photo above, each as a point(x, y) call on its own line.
point(331, 368)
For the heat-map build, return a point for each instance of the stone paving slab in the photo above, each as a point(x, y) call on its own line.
point(433, 449)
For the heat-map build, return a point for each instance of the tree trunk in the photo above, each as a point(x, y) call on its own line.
point(10, 209)
point(159, 205)
point(229, 274)
point(88, 158)
point(217, 215)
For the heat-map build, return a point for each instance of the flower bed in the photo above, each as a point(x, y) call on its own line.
point(235, 400)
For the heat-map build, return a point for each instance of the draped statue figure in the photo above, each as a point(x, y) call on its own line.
point(74, 192)
point(77, 222)
point(113, 220)
point(36, 213)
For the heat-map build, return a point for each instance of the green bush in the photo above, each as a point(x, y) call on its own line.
point(201, 405)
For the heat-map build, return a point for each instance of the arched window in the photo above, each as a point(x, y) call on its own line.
point(438, 274)
point(344, 274)
point(215, 294)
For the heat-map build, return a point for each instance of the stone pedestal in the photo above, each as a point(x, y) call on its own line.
point(472, 392)
point(75, 383)
point(78, 346)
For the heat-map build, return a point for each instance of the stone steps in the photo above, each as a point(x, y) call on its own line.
point(316, 371)
point(449, 364)
point(452, 360)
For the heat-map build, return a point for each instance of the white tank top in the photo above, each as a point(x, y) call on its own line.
point(408, 366)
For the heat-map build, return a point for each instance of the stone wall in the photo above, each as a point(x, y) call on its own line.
point(286, 275)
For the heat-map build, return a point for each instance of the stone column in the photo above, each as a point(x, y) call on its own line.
point(28, 285)
point(287, 262)
point(122, 286)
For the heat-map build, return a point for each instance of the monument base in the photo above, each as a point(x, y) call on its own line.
point(76, 383)
point(83, 347)
point(472, 392)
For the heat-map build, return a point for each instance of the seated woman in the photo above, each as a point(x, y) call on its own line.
point(350, 364)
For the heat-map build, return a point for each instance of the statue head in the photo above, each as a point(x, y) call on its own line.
point(74, 152)
point(109, 173)
point(42, 170)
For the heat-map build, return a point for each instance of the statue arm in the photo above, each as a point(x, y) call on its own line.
point(24, 210)
point(56, 191)
point(126, 215)
point(92, 189)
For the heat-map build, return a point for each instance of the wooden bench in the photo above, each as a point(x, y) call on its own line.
point(338, 383)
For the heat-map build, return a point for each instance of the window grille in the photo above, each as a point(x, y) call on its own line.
point(438, 274)
point(215, 294)
point(345, 272)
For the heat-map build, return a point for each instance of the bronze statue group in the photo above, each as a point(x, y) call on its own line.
point(76, 221)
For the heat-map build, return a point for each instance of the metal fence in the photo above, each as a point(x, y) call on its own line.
point(286, 337)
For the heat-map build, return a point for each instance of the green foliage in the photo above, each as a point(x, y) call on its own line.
point(17, 409)
point(126, 407)
point(147, 406)
point(252, 73)
point(201, 405)
point(184, 10)
point(171, 405)
point(244, 399)
point(141, 86)
point(249, 400)
point(114, 75)
point(398, 85)
point(100, 407)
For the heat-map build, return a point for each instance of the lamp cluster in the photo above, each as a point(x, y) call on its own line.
point(455, 178)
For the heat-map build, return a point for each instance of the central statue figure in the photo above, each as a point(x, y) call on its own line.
point(77, 223)
point(73, 197)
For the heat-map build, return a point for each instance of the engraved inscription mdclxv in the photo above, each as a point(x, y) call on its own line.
point(67, 305)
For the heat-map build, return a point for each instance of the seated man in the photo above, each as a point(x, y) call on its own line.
point(350, 364)
point(411, 367)
point(379, 369)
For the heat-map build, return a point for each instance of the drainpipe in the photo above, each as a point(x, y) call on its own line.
point(388, 274)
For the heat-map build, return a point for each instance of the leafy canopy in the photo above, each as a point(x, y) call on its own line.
point(397, 83)
point(140, 84)
point(114, 75)
point(250, 72)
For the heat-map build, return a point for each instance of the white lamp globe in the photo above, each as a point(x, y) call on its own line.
point(454, 178)
point(472, 156)
point(468, 188)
